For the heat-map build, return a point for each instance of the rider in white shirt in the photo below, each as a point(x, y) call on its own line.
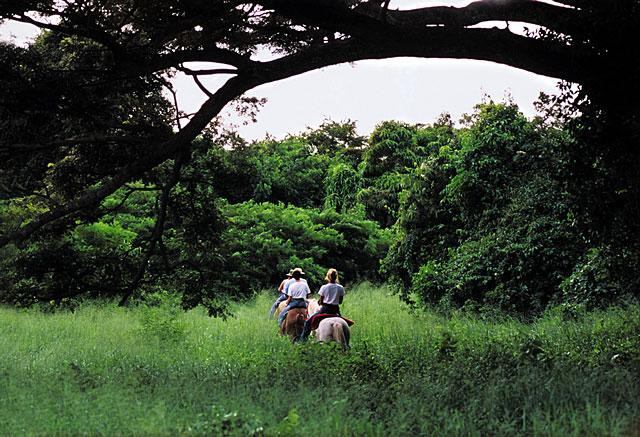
point(331, 295)
point(297, 292)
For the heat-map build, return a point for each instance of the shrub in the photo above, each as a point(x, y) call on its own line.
point(160, 316)
point(263, 241)
point(601, 276)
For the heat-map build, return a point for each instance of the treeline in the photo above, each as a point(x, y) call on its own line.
point(490, 215)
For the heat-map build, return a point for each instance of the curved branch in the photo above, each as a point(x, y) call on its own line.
point(542, 57)
point(216, 55)
point(203, 88)
point(560, 19)
point(366, 21)
point(495, 45)
point(95, 34)
point(190, 72)
point(179, 141)
point(132, 60)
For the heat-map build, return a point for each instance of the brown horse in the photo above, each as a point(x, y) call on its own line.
point(293, 323)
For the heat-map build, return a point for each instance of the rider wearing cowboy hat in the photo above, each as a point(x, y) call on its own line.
point(297, 291)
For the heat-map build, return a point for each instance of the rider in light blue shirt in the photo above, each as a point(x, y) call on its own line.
point(283, 293)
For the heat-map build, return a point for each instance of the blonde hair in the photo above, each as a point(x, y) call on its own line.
point(331, 276)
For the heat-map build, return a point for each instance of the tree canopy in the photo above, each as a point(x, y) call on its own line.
point(99, 165)
point(128, 41)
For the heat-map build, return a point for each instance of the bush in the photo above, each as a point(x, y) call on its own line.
point(160, 316)
point(263, 241)
point(602, 276)
point(341, 186)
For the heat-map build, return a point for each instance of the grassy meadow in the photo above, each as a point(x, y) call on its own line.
point(156, 370)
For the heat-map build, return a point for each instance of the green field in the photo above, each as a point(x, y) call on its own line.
point(156, 370)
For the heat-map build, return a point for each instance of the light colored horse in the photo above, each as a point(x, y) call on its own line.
point(312, 306)
point(293, 323)
point(334, 329)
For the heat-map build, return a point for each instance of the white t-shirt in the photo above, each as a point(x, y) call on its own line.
point(298, 289)
point(289, 282)
point(331, 293)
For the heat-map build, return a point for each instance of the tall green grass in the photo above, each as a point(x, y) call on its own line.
point(155, 370)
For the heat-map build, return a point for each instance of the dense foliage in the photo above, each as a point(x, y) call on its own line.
point(238, 217)
point(491, 222)
point(481, 216)
point(47, 102)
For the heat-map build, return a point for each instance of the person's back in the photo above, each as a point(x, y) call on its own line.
point(331, 293)
point(298, 289)
point(289, 282)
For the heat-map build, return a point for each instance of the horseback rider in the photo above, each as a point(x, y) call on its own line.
point(297, 291)
point(283, 293)
point(331, 295)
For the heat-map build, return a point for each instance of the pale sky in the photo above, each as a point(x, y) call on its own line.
point(405, 89)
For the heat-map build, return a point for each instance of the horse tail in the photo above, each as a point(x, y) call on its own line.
point(339, 335)
point(300, 319)
point(347, 335)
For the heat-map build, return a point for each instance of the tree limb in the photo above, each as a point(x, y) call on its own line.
point(364, 19)
point(191, 72)
point(179, 141)
point(214, 54)
point(542, 57)
point(560, 19)
point(158, 228)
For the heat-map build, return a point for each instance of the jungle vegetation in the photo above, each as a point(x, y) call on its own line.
point(108, 189)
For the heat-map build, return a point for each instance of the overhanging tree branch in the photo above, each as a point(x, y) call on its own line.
point(178, 142)
point(560, 19)
point(158, 228)
point(214, 54)
point(367, 21)
point(399, 33)
point(541, 57)
point(205, 72)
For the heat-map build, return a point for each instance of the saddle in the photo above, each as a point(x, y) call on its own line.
point(315, 320)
